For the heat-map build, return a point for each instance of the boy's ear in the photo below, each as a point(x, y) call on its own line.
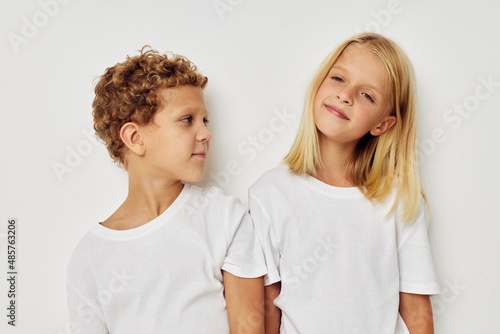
point(129, 134)
point(385, 125)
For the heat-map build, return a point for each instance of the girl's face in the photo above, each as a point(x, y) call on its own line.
point(354, 98)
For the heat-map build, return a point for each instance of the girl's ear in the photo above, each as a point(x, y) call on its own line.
point(385, 125)
point(129, 134)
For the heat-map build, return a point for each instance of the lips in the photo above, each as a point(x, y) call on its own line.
point(337, 112)
point(201, 155)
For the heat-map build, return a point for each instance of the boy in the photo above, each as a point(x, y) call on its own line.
point(173, 256)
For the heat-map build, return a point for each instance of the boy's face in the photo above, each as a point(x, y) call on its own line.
point(177, 139)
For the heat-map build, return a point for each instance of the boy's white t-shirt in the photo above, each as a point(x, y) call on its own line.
point(164, 276)
point(341, 263)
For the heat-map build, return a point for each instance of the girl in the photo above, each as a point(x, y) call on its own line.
point(343, 224)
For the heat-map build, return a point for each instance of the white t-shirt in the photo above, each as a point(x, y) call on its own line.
point(340, 262)
point(164, 276)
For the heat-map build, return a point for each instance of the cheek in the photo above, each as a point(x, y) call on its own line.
point(327, 89)
point(320, 95)
point(173, 144)
point(371, 118)
point(317, 103)
point(316, 116)
point(184, 142)
point(322, 122)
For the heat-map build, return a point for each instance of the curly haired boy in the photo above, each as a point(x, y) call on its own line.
point(173, 258)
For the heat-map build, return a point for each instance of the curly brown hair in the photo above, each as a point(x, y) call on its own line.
point(128, 92)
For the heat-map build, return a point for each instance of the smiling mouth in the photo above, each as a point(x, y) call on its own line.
point(337, 112)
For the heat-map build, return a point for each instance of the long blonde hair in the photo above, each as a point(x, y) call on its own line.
point(378, 162)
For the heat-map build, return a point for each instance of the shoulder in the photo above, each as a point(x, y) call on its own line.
point(216, 211)
point(421, 216)
point(274, 179)
point(276, 174)
point(214, 194)
point(408, 201)
point(86, 248)
point(89, 240)
point(212, 199)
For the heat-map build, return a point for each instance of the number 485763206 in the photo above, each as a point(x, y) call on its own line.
point(11, 248)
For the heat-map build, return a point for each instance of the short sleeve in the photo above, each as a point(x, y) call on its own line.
point(416, 269)
point(244, 256)
point(263, 228)
point(85, 312)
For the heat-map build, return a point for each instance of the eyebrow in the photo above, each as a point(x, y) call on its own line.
point(191, 110)
point(367, 85)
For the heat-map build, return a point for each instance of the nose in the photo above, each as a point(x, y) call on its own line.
point(345, 96)
point(203, 134)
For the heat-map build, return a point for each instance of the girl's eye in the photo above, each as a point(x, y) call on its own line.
point(367, 96)
point(337, 79)
point(205, 121)
point(187, 119)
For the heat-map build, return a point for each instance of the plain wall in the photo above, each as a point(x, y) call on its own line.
point(259, 57)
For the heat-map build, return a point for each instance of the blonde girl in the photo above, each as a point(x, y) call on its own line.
point(344, 222)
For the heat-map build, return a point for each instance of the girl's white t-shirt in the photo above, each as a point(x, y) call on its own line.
point(340, 261)
point(164, 276)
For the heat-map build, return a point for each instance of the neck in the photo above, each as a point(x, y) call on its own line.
point(335, 157)
point(150, 197)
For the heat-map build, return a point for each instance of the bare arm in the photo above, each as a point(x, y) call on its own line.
point(245, 304)
point(416, 311)
point(273, 313)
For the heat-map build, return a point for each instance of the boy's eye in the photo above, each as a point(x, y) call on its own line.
point(367, 96)
point(187, 119)
point(205, 121)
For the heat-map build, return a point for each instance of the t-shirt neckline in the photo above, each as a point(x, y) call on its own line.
point(149, 226)
point(344, 192)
